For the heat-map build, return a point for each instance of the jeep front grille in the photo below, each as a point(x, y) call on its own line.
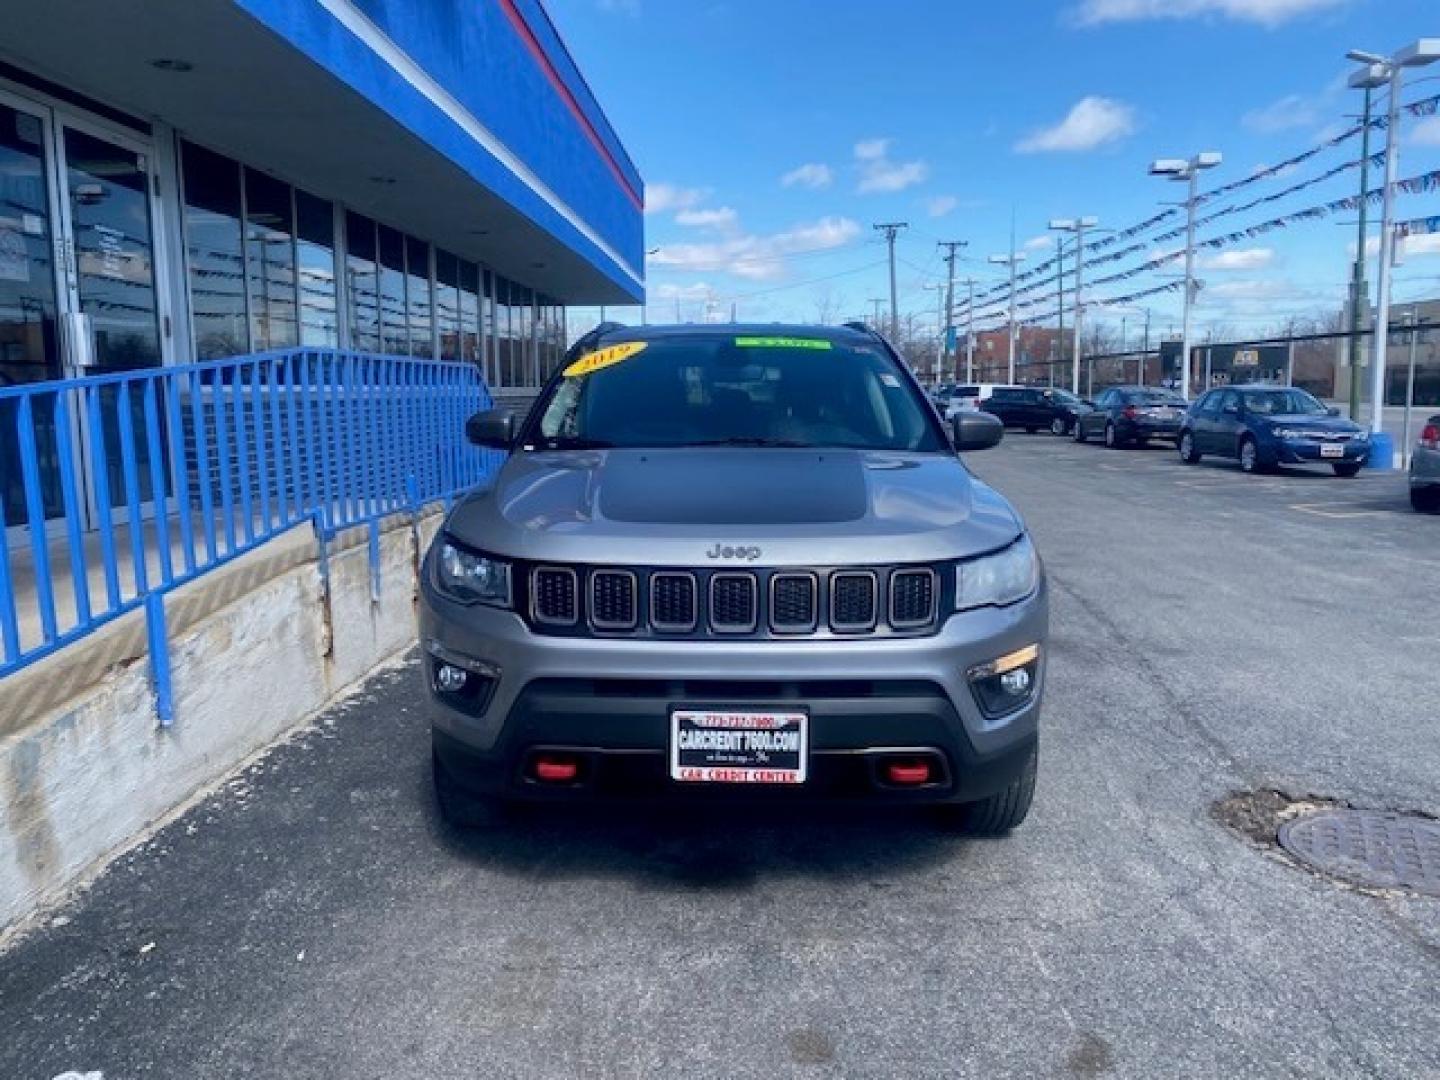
point(554, 596)
point(708, 603)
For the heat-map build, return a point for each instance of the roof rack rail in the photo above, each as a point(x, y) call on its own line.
point(590, 337)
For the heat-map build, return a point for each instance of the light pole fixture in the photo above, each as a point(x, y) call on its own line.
point(1078, 227)
point(1011, 260)
point(1422, 52)
point(1187, 172)
point(1369, 78)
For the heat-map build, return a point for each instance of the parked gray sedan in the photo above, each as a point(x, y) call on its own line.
point(1425, 469)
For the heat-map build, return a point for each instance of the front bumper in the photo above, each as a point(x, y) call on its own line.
point(1307, 452)
point(610, 698)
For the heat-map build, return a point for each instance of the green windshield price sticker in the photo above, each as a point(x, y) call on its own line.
point(781, 343)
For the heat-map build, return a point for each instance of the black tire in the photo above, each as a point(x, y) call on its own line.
point(459, 807)
point(1347, 469)
point(1058, 426)
point(1425, 500)
point(1003, 811)
point(1112, 437)
point(1078, 432)
point(1249, 462)
point(1186, 448)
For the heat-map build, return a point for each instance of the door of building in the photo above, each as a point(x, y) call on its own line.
point(81, 290)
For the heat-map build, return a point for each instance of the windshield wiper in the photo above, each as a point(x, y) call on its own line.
point(573, 443)
point(754, 440)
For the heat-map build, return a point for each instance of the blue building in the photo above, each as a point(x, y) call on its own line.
point(194, 179)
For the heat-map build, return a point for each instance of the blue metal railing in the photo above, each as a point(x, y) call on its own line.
point(143, 480)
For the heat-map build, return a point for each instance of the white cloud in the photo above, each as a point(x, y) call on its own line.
point(812, 174)
point(723, 218)
point(1240, 259)
point(1265, 12)
point(940, 205)
point(1092, 122)
point(1290, 112)
point(1426, 133)
point(1035, 243)
point(671, 291)
point(871, 149)
point(879, 173)
point(662, 198)
point(757, 257)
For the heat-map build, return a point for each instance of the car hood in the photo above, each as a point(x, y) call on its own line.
point(684, 507)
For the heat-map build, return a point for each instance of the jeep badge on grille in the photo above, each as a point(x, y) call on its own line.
point(725, 551)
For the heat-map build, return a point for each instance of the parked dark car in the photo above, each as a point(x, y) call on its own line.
point(1126, 415)
point(1035, 407)
point(1265, 426)
point(1425, 469)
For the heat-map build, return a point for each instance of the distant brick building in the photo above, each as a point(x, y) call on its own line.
point(1040, 352)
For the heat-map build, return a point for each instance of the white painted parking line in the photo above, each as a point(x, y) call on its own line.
point(1330, 510)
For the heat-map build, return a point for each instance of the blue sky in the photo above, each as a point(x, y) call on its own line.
point(773, 134)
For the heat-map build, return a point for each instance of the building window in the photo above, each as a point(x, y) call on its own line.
point(489, 346)
point(215, 253)
point(447, 304)
point(418, 297)
point(362, 284)
point(270, 262)
point(469, 312)
point(315, 263)
point(522, 327)
point(394, 318)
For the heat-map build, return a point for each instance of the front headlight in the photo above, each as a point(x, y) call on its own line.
point(471, 578)
point(999, 579)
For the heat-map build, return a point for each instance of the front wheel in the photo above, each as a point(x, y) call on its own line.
point(1112, 437)
point(1347, 469)
point(1057, 426)
point(1003, 811)
point(1078, 432)
point(1188, 454)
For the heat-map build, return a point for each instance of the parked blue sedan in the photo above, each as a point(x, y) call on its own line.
point(1265, 426)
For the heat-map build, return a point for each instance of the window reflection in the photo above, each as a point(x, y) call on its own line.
point(417, 294)
point(394, 316)
point(315, 264)
point(469, 312)
point(214, 253)
point(270, 259)
point(362, 283)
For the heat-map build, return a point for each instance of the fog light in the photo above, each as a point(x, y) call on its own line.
point(1016, 682)
point(1006, 684)
point(449, 678)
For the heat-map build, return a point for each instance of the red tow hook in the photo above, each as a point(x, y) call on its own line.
point(907, 773)
point(556, 770)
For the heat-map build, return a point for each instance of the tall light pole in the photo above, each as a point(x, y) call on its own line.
point(1011, 261)
point(939, 364)
point(1078, 227)
point(951, 246)
point(890, 228)
point(1369, 78)
point(969, 283)
point(1425, 51)
point(1189, 173)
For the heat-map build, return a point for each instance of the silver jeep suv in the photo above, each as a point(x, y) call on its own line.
point(731, 562)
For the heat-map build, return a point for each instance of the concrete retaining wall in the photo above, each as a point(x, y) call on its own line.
point(255, 648)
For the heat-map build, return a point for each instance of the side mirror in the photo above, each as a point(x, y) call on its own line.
point(976, 431)
point(493, 428)
point(1333, 410)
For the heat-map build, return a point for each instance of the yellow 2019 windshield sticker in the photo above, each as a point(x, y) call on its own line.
point(782, 343)
point(603, 358)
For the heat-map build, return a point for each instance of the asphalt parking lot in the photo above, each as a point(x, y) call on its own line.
point(1213, 633)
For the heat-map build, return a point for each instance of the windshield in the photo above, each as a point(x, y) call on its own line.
point(1154, 397)
point(1283, 403)
point(735, 390)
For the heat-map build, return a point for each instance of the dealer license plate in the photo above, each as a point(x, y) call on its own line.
point(739, 746)
point(1332, 450)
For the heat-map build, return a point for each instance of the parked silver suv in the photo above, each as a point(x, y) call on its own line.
point(733, 561)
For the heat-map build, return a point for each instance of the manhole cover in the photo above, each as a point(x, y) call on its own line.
point(1368, 847)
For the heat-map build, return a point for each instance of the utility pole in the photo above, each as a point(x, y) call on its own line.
point(1060, 299)
point(877, 301)
point(939, 364)
point(969, 334)
point(1368, 79)
point(951, 246)
point(1189, 173)
point(1145, 355)
point(890, 229)
point(1010, 260)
